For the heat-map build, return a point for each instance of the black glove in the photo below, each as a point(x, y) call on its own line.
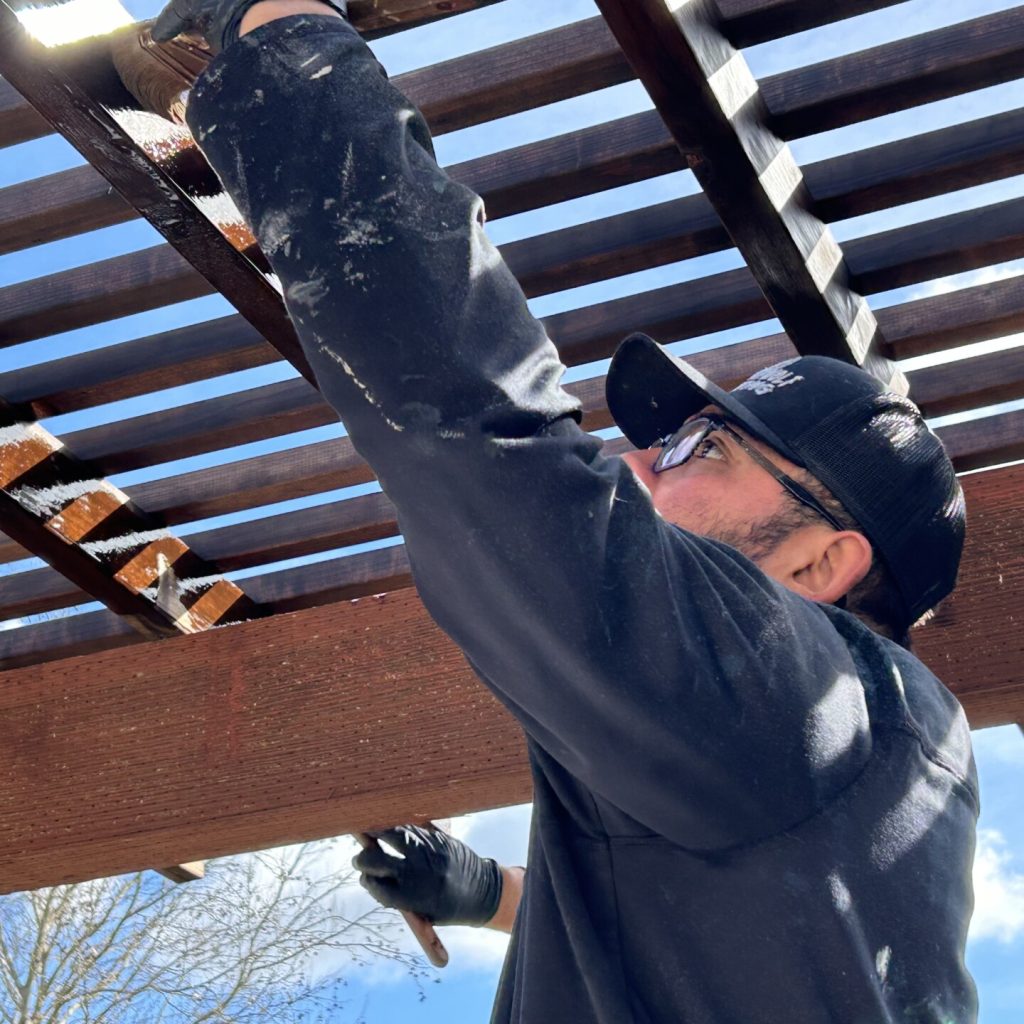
point(216, 21)
point(440, 878)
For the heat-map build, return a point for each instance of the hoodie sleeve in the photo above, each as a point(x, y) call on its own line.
point(662, 669)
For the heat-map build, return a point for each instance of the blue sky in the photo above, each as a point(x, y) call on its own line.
point(996, 952)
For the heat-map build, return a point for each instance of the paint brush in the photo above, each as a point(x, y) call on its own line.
point(421, 928)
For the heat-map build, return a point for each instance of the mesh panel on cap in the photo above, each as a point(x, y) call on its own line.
point(872, 456)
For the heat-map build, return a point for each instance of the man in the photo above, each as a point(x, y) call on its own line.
point(749, 805)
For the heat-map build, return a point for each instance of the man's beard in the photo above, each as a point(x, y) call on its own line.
point(759, 539)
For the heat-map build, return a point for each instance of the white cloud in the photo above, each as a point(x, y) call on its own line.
point(1004, 744)
point(969, 279)
point(998, 891)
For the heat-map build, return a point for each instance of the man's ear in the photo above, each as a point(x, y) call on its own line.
point(833, 566)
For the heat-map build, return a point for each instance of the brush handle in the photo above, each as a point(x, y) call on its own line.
point(420, 927)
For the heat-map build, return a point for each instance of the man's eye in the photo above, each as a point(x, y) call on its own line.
point(708, 449)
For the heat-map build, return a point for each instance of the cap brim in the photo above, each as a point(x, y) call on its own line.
point(651, 393)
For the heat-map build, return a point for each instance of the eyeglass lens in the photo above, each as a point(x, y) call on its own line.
point(682, 444)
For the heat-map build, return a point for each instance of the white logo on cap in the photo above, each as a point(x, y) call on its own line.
point(765, 381)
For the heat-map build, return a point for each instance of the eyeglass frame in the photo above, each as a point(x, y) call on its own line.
point(713, 423)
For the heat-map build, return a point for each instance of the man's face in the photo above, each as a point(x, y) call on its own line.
point(720, 492)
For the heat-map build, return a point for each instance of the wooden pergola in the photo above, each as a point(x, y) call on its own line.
point(141, 735)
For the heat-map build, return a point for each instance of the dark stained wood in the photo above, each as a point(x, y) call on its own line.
point(957, 157)
point(163, 360)
point(55, 506)
point(710, 102)
point(58, 206)
point(376, 18)
point(969, 383)
point(946, 245)
point(373, 572)
point(977, 444)
point(72, 100)
point(895, 76)
point(979, 313)
point(261, 480)
point(507, 79)
point(185, 430)
point(97, 292)
point(303, 711)
point(19, 122)
point(748, 22)
point(68, 637)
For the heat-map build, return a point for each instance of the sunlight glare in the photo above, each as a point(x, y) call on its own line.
point(58, 24)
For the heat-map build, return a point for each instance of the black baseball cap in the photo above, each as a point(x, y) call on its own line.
point(870, 447)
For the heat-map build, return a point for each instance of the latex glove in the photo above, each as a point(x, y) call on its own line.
point(439, 878)
point(216, 21)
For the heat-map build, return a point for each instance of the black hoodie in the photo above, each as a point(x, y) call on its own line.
point(748, 807)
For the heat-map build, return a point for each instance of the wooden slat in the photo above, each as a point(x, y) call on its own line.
point(58, 206)
point(163, 360)
point(19, 122)
point(896, 76)
point(748, 22)
point(977, 444)
point(303, 708)
point(199, 427)
point(78, 102)
point(97, 292)
point(702, 87)
point(941, 322)
point(58, 508)
point(945, 245)
point(969, 383)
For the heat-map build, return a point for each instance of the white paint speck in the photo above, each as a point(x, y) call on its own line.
point(325, 70)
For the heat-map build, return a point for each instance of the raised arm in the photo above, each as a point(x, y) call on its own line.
point(662, 669)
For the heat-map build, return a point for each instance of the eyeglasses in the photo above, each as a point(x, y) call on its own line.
point(678, 448)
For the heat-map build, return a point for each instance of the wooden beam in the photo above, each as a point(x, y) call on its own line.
point(97, 292)
point(58, 508)
point(934, 65)
point(242, 545)
point(702, 87)
point(748, 22)
point(191, 872)
point(303, 711)
point(70, 99)
point(19, 121)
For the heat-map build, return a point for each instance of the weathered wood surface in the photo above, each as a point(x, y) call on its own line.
point(274, 732)
point(71, 100)
point(711, 103)
point(895, 76)
point(55, 506)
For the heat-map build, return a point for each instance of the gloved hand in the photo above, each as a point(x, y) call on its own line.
point(440, 878)
point(216, 21)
